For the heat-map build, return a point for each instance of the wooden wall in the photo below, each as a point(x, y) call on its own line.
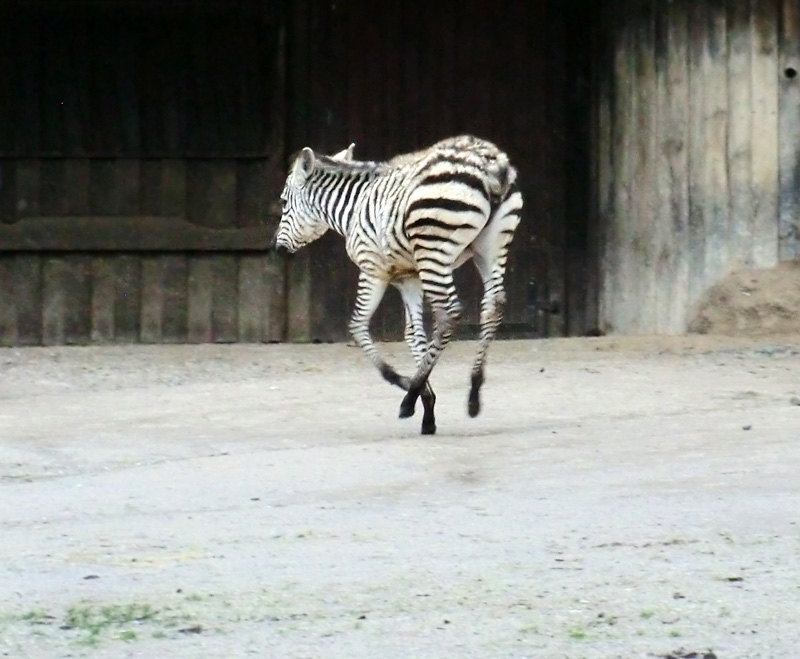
point(138, 78)
point(697, 140)
point(79, 298)
point(143, 146)
point(142, 149)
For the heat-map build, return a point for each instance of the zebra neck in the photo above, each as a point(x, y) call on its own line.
point(338, 192)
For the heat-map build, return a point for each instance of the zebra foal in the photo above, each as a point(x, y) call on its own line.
point(410, 222)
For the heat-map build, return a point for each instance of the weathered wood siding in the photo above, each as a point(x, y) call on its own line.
point(697, 150)
point(81, 298)
point(143, 145)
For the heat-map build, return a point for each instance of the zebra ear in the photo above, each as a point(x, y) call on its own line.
point(346, 155)
point(303, 166)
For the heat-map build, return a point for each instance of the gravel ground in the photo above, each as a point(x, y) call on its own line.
point(617, 498)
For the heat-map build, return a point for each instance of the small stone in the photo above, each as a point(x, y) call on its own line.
point(194, 629)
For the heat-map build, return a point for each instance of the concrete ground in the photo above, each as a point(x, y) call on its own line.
point(616, 498)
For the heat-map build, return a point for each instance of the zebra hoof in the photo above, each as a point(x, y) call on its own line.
point(407, 406)
point(428, 427)
point(474, 404)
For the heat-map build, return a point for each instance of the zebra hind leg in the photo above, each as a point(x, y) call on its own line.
point(492, 271)
point(491, 316)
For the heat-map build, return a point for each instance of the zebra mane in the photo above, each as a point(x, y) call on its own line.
point(333, 166)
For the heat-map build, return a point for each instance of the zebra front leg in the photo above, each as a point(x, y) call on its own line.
point(368, 297)
point(417, 340)
point(446, 313)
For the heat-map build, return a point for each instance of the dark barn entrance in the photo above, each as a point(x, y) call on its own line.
point(143, 144)
point(401, 77)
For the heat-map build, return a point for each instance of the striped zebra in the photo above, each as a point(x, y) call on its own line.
point(410, 222)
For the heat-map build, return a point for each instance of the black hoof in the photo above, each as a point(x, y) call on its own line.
point(474, 402)
point(408, 405)
point(428, 427)
point(474, 405)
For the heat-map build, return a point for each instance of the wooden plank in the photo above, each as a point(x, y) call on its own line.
point(580, 305)
point(140, 233)
point(55, 300)
point(766, 148)
point(77, 286)
point(211, 193)
point(8, 302)
point(79, 117)
point(52, 196)
point(27, 65)
point(175, 296)
point(27, 181)
point(114, 187)
point(127, 186)
point(103, 299)
point(200, 287)
point(698, 156)
point(789, 132)
point(55, 83)
point(254, 197)
point(297, 281)
point(201, 125)
point(298, 301)
point(740, 132)
point(557, 145)
point(223, 82)
point(253, 298)
point(298, 123)
point(127, 305)
point(603, 188)
point(173, 188)
point(76, 176)
point(28, 296)
point(672, 217)
point(225, 303)
point(9, 82)
point(103, 198)
point(275, 302)
point(331, 56)
point(127, 134)
point(623, 270)
point(150, 187)
point(715, 127)
point(575, 278)
point(8, 191)
point(608, 169)
point(152, 306)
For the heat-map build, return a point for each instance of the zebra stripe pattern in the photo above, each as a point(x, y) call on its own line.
point(410, 222)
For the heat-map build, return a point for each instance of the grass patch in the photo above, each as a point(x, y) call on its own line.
point(92, 622)
point(37, 617)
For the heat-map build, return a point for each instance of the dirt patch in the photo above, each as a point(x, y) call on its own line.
point(616, 499)
point(752, 303)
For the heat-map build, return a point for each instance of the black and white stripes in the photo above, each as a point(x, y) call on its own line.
point(410, 222)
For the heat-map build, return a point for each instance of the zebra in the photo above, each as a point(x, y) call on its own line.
point(410, 222)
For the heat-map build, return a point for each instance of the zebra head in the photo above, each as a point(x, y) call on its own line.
point(301, 221)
